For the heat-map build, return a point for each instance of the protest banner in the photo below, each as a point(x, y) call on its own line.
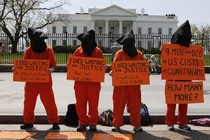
point(87, 69)
point(182, 63)
point(29, 70)
point(180, 92)
point(130, 73)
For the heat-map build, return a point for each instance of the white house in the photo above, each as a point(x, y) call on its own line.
point(114, 21)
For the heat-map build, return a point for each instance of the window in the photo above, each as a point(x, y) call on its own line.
point(64, 29)
point(74, 42)
point(100, 30)
point(112, 30)
point(149, 44)
point(159, 31)
point(124, 30)
point(149, 31)
point(100, 43)
point(170, 31)
point(74, 30)
point(139, 30)
point(64, 42)
point(139, 43)
point(54, 43)
point(53, 29)
point(85, 28)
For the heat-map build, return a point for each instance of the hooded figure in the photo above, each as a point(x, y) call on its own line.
point(183, 35)
point(128, 42)
point(87, 92)
point(37, 38)
point(88, 42)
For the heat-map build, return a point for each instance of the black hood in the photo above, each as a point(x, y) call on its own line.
point(128, 42)
point(37, 38)
point(88, 42)
point(183, 35)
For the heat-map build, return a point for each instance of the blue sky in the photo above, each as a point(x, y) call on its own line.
point(197, 12)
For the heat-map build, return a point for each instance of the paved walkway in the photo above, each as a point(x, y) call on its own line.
point(11, 96)
point(157, 132)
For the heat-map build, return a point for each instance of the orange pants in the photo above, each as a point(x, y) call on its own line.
point(182, 114)
point(130, 95)
point(87, 94)
point(48, 100)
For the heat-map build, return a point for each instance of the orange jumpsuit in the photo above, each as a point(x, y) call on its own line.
point(32, 90)
point(130, 95)
point(87, 92)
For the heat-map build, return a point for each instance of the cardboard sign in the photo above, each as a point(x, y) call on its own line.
point(86, 69)
point(182, 63)
point(29, 70)
point(112, 136)
point(184, 92)
point(130, 73)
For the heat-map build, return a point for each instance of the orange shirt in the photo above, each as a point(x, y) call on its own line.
point(47, 55)
point(97, 53)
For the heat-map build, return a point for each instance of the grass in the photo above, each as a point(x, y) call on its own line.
point(8, 58)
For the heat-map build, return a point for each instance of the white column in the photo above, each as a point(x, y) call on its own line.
point(134, 27)
point(120, 27)
point(107, 27)
point(93, 25)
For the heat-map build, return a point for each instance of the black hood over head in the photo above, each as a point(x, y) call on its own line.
point(88, 41)
point(183, 35)
point(37, 38)
point(128, 42)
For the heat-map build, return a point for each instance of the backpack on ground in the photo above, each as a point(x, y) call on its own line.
point(71, 118)
point(145, 117)
point(106, 118)
point(200, 122)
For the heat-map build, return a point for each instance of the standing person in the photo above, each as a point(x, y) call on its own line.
point(114, 49)
point(87, 92)
point(39, 50)
point(182, 37)
point(130, 95)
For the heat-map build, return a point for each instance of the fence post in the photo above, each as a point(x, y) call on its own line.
point(66, 48)
point(202, 39)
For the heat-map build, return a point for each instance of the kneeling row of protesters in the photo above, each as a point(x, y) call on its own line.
point(88, 92)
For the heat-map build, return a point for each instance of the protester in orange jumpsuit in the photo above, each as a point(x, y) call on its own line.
point(87, 92)
point(183, 37)
point(130, 95)
point(39, 51)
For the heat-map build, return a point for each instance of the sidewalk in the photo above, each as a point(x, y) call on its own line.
point(157, 132)
point(12, 95)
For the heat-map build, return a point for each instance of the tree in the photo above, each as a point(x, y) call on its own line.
point(17, 15)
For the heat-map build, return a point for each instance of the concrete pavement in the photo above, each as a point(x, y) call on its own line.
point(11, 107)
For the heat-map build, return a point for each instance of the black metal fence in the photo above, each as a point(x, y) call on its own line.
point(64, 44)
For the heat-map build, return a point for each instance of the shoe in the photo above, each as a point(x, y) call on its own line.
point(137, 129)
point(55, 126)
point(81, 128)
point(93, 128)
point(116, 129)
point(26, 126)
point(184, 127)
point(171, 128)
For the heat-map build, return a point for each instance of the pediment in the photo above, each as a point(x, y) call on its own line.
point(113, 10)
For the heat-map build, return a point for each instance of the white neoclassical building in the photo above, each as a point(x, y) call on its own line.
point(114, 21)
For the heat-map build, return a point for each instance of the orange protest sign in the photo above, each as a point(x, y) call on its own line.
point(184, 92)
point(182, 63)
point(29, 70)
point(130, 73)
point(86, 69)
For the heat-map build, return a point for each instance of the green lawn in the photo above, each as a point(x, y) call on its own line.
point(61, 58)
point(8, 58)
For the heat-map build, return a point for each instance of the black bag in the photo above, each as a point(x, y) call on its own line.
point(145, 117)
point(71, 118)
point(106, 118)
